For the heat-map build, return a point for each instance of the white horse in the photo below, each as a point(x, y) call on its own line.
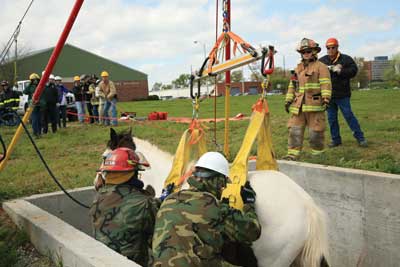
point(293, 227)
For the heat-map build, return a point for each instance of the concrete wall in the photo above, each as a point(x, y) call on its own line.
point(363, 211)
point(61, 206)
point(59, 240)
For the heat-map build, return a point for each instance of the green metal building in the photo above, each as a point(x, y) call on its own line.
point(131, 84)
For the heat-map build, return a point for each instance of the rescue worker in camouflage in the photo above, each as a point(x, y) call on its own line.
point(193, 225)
point(307, 98)
point(123, 213)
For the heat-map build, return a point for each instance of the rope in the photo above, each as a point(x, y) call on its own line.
point(15, 33)
point(48, 168)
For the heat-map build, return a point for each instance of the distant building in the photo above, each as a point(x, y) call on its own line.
point(131, 84)
point(237, 88)
point(377, 68)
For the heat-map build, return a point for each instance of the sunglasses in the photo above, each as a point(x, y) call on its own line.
point(307, 51)
point(331, 47)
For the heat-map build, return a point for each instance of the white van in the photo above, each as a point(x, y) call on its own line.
point(23, 99)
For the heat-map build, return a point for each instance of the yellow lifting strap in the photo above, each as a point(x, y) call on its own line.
point(191, 146)
point(259, 127)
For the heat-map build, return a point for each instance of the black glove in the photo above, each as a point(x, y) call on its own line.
point(150, 190)
point(287, 106)
point(248, 194)
point(166, 192)
point(325, 104)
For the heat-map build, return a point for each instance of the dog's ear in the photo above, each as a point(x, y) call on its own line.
point(113, 139)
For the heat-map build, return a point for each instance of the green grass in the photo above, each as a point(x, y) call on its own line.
point(74, 153)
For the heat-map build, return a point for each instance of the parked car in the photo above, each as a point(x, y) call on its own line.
point(23, 99)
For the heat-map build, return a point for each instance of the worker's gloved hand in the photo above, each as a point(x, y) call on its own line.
point(325, 103)
point(166, 192)
point(337, 68)
point(287, 106)
point(150, 190)
point(248, 194)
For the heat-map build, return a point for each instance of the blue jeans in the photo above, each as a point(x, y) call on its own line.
point(113, 105)
point(344, 105)
point(36, 120)
point(96, 112)
point(80, 106)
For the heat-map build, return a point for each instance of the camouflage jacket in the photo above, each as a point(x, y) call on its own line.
point(192, 226)
point(123, 219)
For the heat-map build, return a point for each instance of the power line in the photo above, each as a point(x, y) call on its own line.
point(14, 35)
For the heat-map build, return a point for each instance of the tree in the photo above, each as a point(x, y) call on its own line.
point(237, 76)
point(166, 87)
point(392, 74)
point(182, 81)
point(361, 79)
point(7, 71)
point(156, 86)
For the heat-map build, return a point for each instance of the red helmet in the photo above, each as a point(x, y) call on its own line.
point(120, 160)
point(332, 42)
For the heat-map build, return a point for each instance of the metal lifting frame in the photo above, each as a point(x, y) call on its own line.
point(267, 66)
point(234, 63)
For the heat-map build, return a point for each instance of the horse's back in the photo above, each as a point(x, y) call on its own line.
point(282, 210)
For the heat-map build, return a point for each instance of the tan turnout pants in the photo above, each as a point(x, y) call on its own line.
point(315, 121)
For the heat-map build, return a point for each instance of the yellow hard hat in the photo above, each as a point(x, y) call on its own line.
point(77, 78)
point(34, 76)
point(104, 74)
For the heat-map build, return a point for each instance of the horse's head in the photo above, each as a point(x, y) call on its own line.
point(123, 139)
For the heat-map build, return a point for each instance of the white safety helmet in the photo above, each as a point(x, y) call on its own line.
point(214, 161)
point(51, 77)
point(58, 78)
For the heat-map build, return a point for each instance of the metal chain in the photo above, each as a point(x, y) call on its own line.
point(225, 26)
point(195, 104)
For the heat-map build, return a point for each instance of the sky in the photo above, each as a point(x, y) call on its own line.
point(158, 37)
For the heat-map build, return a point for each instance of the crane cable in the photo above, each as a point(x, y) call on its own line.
point(47, 166)
point(14, 35)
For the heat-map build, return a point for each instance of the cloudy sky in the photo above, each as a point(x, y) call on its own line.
point(157, 36)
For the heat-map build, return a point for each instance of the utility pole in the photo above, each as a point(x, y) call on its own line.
point(284, 67)
point(16, 54)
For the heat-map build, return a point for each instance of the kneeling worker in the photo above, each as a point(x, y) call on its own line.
point(192, 225)
point(123, 213)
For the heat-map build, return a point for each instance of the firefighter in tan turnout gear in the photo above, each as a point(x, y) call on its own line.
point(307, 98)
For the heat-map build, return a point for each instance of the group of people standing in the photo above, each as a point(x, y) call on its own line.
point(96, 96)
point(51, 107)
point(317, 86)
